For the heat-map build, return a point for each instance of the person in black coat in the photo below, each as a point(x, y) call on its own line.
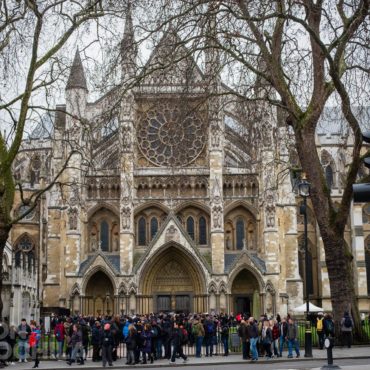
point(107, 342)
point(96, 335)
point(177, 337)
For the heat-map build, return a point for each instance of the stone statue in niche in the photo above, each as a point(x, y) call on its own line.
point(217, 217)
point(72, 219)
point(270, 216)
point(269, 304)
point(126, 137)
point(126, 218)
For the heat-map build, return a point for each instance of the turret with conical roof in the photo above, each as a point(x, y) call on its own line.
point(128, 47)
point(77, 79)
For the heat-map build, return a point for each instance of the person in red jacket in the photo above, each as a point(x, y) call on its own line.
point(59, 333)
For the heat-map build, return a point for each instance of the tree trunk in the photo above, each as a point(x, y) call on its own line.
point(4, 234)
point(338, 257)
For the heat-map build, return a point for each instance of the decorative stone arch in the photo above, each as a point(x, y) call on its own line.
point(192, 203)
point(132, 289)
point(242, 203)
point(122, 289)
point(75, 290)
point(212, 287)
point(150, 204)
point(329, 167)
point(234, 273)
point(174, 272)
point(144, 268)
point(22, 236)
point(101, 205)
point(94, 269)
point(245, 295)
point(222, 287)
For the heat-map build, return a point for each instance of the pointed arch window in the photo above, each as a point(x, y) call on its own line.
point(329, 176)
point(240, 234)
point(104, 236)
point(142, 231)
point(18, 258)
point(153, 227)
point(202, 231)
point(31, 261)
point(190, 226)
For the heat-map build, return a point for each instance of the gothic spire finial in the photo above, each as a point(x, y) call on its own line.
point(77, 79)
point(128, 47)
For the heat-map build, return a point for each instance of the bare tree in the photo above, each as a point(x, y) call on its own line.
point(33, 36)
point(309, 54)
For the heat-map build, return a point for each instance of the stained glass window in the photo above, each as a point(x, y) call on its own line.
point(170, 135)
point(240, 233)
point(18, 258)
point(104, 236)
point(153, 227)
point(202, 231)
point(142, 231)
point(190, 226)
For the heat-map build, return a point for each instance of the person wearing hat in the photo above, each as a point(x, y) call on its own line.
point(95, 341)
point(320, 329)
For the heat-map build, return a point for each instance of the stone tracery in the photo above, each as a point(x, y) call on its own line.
point(166, 130)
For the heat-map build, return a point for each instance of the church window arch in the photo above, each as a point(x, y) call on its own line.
point(142, 231)
point(190, 226)
point(103, 231)
point(18, 258)
point(202, 231)
point(240, 233)
point(153, 227)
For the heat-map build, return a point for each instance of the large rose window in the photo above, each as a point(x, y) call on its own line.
point(169, 135)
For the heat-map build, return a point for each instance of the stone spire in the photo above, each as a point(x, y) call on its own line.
point(212, 57)
point(128, 47)
point(77, 79)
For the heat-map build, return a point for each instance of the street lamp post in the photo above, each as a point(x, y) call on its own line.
point(304, 192)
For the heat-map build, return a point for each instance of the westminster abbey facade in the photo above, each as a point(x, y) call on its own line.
point(172, 199)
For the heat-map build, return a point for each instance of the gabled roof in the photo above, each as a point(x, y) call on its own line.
point(155, 244)
point(112, 260)
point(171, 63)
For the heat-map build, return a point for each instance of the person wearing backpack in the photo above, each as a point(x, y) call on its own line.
point(197, 330)
point(346, 326)
point(177, 338)
point(320, 329)
point(209, 329)
point(329, 326)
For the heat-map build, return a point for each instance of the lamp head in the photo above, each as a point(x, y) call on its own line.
point(304, 187)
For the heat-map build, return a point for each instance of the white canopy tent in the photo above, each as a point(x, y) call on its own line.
point(311, 307)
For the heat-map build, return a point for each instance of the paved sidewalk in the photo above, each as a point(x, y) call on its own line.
point(338, 353)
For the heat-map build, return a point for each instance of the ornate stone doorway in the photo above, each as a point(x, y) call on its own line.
point(245, 294)
point(172, 282)
point(99, 295)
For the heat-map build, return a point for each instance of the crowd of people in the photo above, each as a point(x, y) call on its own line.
point(150, 337)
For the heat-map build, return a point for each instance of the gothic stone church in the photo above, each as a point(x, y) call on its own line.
point(169, 202)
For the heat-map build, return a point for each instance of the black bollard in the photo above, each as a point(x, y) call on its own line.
point(329, 344)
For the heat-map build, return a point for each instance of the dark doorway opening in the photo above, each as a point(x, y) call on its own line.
point(243, 305)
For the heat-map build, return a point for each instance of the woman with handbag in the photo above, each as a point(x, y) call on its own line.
point(267, 338)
